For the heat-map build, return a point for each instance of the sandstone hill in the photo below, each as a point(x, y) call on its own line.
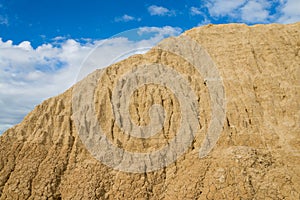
point(256, 156)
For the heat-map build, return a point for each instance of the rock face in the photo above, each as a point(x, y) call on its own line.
point(257, 154)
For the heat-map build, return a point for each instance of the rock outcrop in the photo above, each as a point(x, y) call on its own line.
point(257, 154)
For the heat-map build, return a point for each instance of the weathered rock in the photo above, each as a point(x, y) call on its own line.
point(256, 157)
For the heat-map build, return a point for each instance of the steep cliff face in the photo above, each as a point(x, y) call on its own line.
point(256, 155)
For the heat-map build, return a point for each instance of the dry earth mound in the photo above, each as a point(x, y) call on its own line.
point(256, 155)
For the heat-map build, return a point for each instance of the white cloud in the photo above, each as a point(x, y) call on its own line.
point(249, 11)
point(160, 11)
point(28, 75)
point(255, 11)
point(126, 18)
point(290, 12)
point(218, 8)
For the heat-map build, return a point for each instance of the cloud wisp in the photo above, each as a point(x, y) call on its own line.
point(3, 20)
point(3, 17)
point(127, 18)
point(195, 11)
point(155, 10)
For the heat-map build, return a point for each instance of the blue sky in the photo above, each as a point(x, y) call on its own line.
point(43, 42)
point(38, 21)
